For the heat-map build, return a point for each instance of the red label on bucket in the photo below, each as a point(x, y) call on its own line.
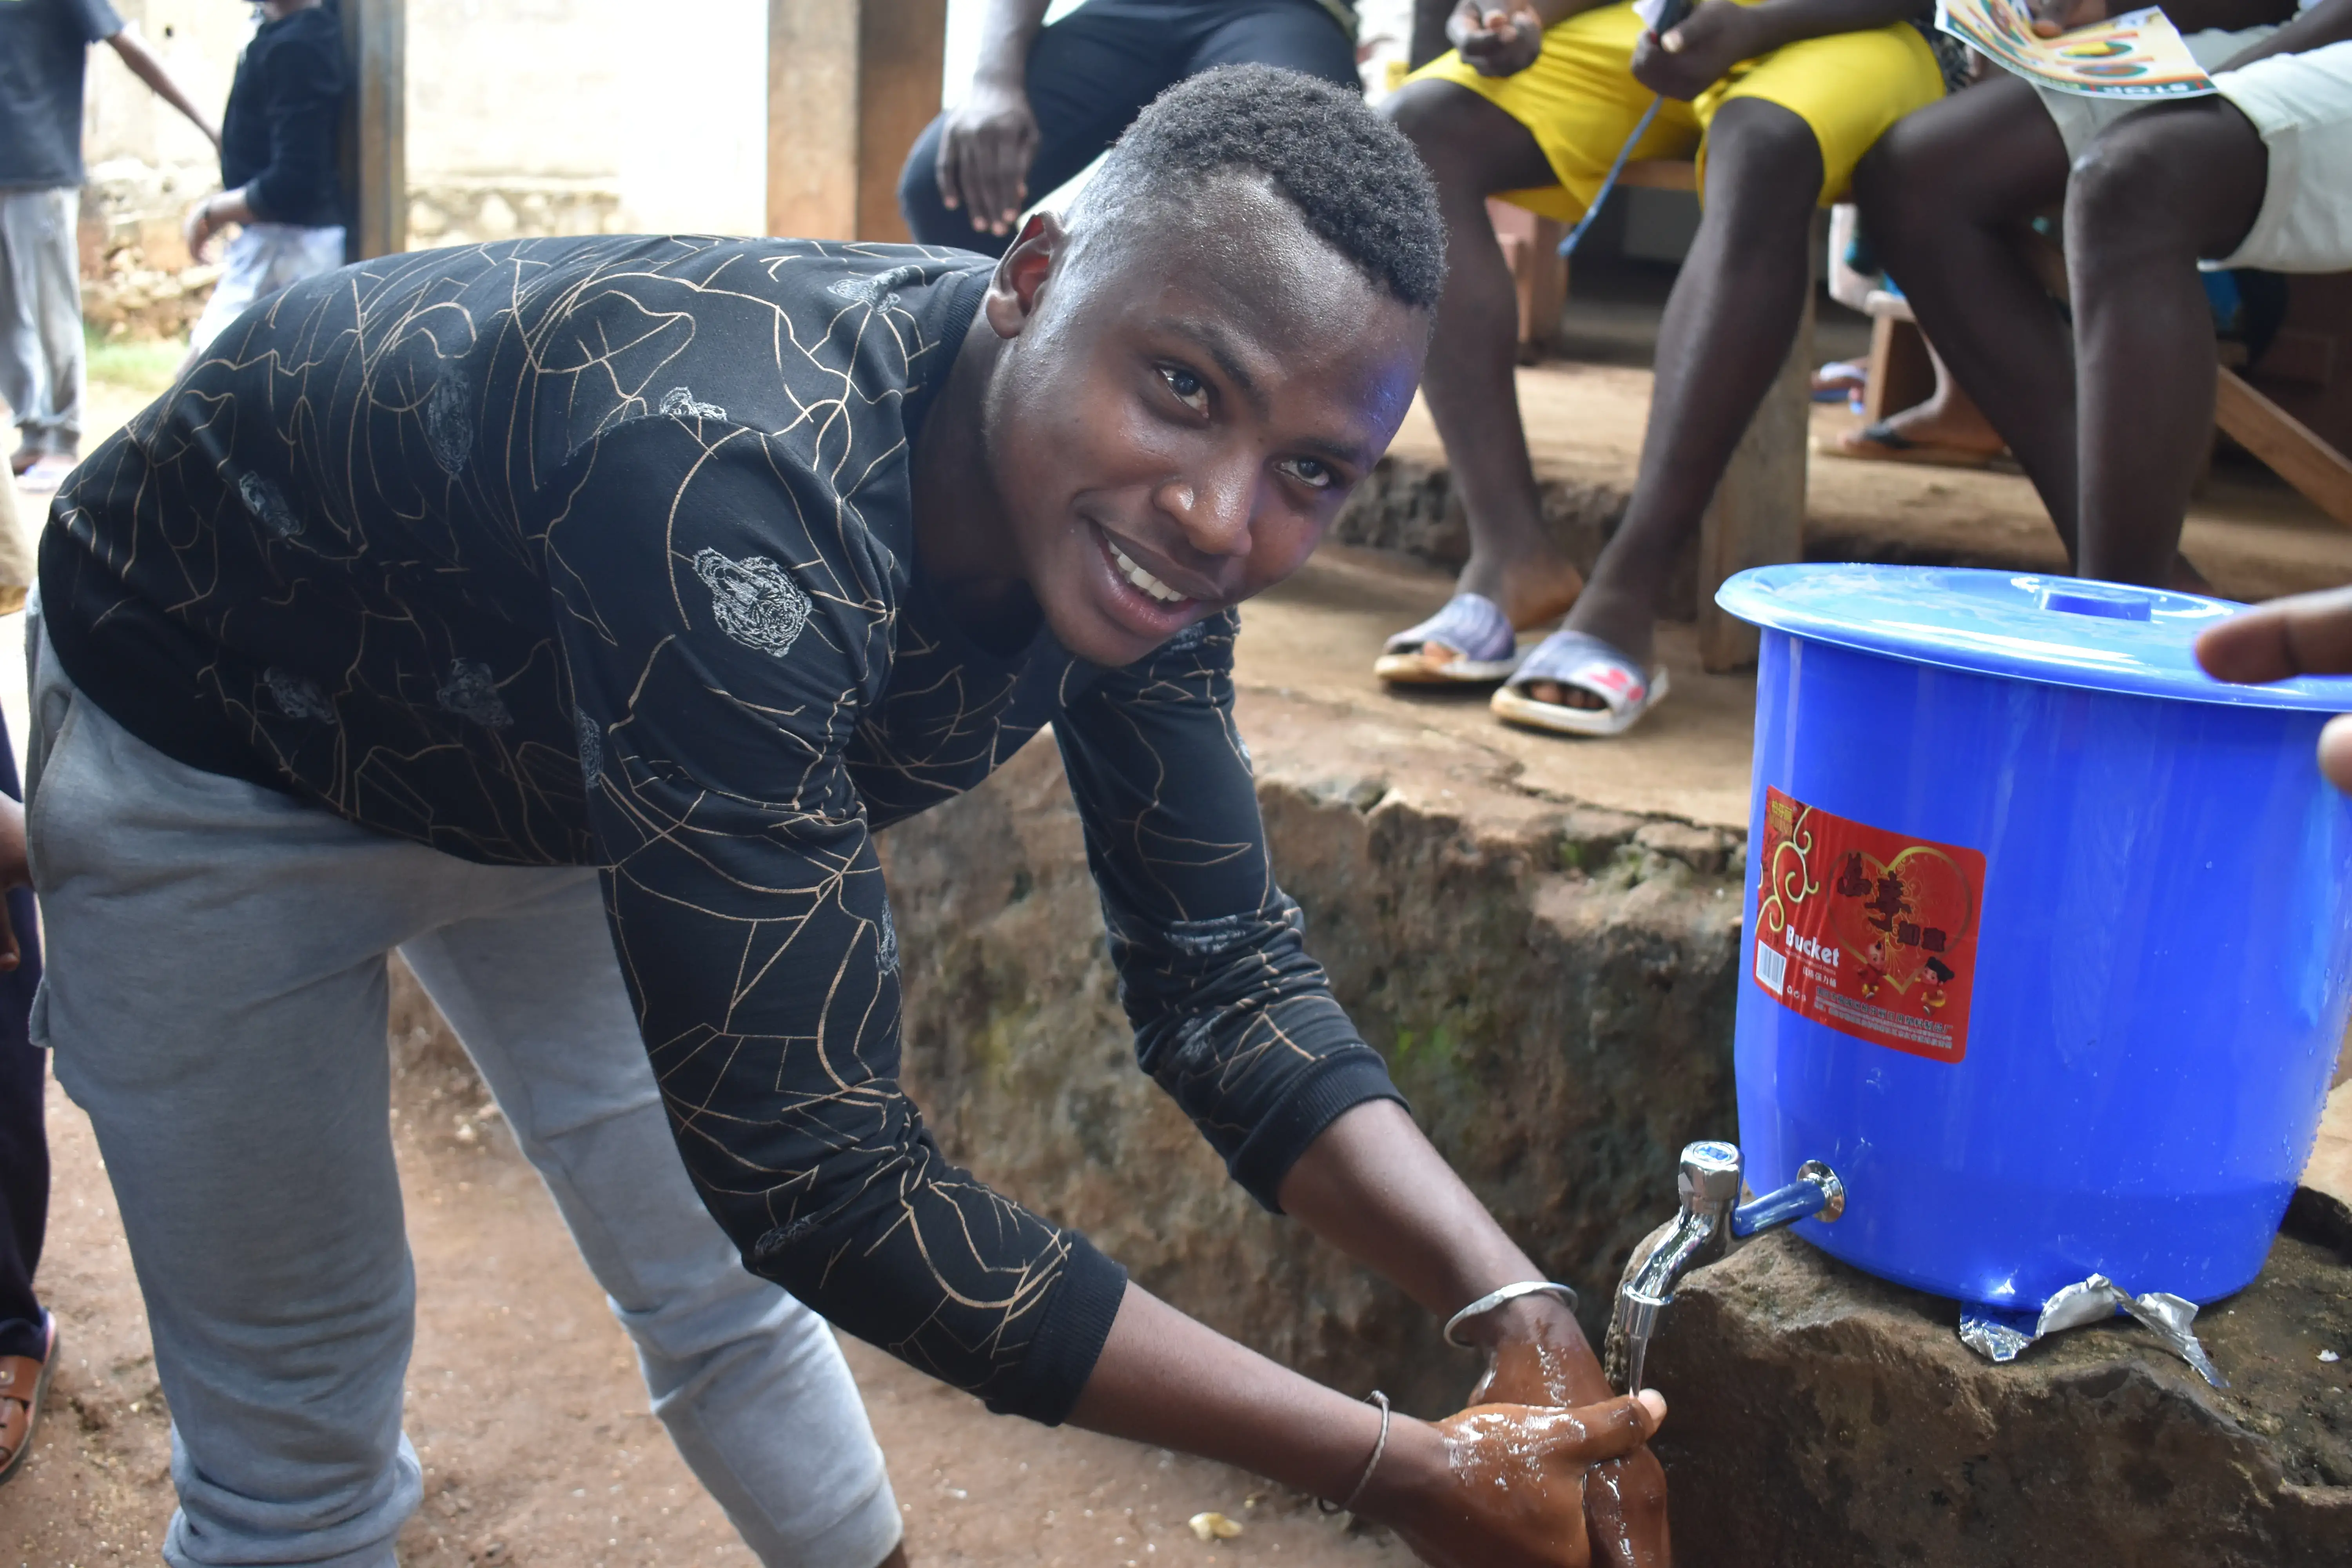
point(1866, 931)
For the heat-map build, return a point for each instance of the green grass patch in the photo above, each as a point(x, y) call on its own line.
point(144, 365)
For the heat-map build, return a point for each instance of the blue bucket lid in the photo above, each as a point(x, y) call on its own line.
point(2060, 631)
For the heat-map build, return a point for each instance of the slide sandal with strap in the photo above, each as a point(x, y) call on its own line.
point(1472, 625)
point(1882, 443)
point(24, 1384)
point(1587, 664)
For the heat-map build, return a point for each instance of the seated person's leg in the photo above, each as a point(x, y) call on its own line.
point(1781, 140)
point(1303, 38)
point(1947, 196)
point(1549, 133)
point(2154, 193)
point(1088, 77)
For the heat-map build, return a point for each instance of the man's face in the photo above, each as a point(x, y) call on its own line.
point(1182, 408)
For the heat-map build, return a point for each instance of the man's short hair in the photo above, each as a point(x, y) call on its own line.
point(1352, 175)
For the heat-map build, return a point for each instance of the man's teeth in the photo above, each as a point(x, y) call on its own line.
point(1142, 579)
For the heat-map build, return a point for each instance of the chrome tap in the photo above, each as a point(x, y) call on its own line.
point(1710, 1187)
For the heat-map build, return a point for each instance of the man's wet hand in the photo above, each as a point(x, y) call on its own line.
point(985, 154)
point(1504, 1485)
point(1496, 38)
point(2051, 18)
point(1540, 1358)
point(2307, 633)
point(1697, 51)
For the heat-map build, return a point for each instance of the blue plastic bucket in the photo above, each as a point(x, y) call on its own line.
point(2047, 949)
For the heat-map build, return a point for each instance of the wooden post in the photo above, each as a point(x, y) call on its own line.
point(375, 127)
point(1757, 515)
point(850, 84)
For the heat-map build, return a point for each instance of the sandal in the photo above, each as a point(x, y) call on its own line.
point(1587, 664)
point(1471, 627)
point(24, 1383)
point(1882, 443)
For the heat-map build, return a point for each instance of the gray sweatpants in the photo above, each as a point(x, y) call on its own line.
point(41, 364)
point(215, 1000)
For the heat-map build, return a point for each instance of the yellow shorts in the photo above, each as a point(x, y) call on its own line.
point(1580, 102)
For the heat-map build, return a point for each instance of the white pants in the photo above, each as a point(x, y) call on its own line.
point(42, 367)
point(263, 259)
point(215, 1000)
point(2302, 105)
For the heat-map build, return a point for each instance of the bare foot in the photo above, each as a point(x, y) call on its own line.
point(1951, 423)
point(1531, 592)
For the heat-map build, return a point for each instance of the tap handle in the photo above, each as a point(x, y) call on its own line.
point(1710, 1177)
point(1816, 1192)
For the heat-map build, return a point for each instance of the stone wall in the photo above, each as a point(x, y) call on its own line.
point(1822, 1418)
point(1553, 991)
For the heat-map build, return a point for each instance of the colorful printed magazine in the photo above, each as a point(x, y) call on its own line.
point(2136, 56)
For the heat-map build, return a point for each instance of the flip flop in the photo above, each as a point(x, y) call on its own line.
point(1882, 443)
point(1585, 662)
point(1472, 625)
point(25, 1382)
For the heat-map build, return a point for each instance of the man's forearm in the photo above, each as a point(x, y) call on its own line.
point(2329, 22)
point(1164, 1379)
point(1780, 23)
point(1372, 1187)
point(1005, 35)
point(2222, 16)
point(143, 65)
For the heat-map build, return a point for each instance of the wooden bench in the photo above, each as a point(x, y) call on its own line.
point(1757, 515)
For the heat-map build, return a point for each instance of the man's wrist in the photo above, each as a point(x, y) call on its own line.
point(1415, 1467)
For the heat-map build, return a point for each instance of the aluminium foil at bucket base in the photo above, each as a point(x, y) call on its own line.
point(2047, 949)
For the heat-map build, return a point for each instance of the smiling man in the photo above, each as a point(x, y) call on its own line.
point(521, 607)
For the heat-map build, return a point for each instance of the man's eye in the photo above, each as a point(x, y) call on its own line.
point(1311, 471)
point(1190, 389)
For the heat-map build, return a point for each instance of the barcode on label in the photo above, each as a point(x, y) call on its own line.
point(1771, 968)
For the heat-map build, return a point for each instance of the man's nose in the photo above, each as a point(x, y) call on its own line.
point(1212, 507)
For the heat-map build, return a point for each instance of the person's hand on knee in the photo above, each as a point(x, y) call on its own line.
point(985, 154)
point(1697, 51)
point(1496, 38)
point(2307, 633)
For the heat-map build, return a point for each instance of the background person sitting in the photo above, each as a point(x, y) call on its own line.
point(1047, 101)
point(2112, 419)
point(278, 164)
point(1778, 99)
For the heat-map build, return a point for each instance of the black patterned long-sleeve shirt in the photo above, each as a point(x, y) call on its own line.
point(601, 552)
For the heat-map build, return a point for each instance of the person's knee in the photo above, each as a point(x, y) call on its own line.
point(1763, 165)
point(1440, 119)
point(2125, 193)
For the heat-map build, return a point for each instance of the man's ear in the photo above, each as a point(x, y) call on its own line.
point(1021, 275)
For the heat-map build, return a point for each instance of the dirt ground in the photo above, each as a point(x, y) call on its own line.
point(524, 1402)
point(525, 1407)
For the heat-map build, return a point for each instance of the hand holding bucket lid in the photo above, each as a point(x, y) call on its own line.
point(2309, 634)
point(2047, 948)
